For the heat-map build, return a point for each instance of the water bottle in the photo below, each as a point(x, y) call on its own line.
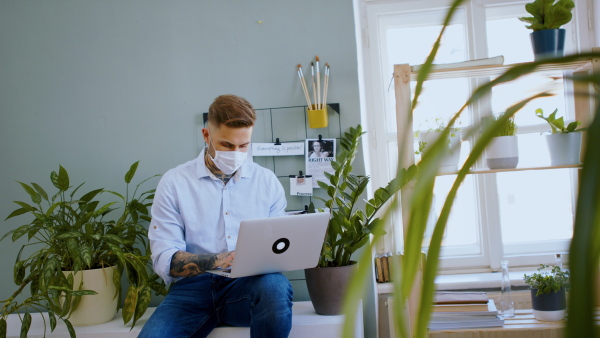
point(507, 306)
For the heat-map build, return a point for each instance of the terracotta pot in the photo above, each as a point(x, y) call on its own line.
point(327, 287)
point(99, 308)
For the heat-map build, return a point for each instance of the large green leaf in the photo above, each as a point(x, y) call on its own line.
point(25, 325)
point(3, 328)
point(35, 196)
point(129, 175)
point(144, 297)
point(130, 304)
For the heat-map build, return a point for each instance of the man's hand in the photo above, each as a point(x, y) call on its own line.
point(225, 260)
point(185, 264)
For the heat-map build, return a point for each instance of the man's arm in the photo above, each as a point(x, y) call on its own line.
point(185, 264)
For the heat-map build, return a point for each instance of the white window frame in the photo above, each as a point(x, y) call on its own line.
point(374, 85)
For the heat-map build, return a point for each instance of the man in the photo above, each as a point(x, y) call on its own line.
point(196, 214)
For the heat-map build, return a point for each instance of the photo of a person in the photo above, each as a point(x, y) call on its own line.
point(319, 149)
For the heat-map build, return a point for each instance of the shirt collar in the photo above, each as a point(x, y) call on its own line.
point(245, 171)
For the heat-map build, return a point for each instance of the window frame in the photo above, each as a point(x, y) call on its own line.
point(376, 144)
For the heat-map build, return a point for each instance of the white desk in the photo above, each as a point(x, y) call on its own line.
point(305, 323)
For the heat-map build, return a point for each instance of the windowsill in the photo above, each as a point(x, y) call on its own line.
point(468, 281)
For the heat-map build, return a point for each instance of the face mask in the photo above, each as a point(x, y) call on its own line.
point(229, 161)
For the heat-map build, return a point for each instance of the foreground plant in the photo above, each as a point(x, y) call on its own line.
point(68, 233)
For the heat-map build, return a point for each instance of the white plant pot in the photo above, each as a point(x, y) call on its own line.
point(450, 162)
point(99, 308)
point(564, 148)
point(502, 152)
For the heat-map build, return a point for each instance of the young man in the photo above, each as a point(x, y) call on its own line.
point(196, 214)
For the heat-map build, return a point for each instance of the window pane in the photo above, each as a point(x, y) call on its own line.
point(419, 30)
point(535, 205)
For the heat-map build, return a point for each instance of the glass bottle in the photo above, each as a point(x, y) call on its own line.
point(507, 306)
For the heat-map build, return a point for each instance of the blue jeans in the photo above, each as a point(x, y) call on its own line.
point(195, 306)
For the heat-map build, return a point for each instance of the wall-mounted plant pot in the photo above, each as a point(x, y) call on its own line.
point(502, 152)
point(549, 307)
point(564, 148)
point(450, 161)
point(548, 43)
point(317, 118)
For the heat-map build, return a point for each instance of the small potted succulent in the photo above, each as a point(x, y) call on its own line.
point(564, 142)
point(548, 292)
point(547, 38)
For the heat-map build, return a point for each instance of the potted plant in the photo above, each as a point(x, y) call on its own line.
point(548, 292)
point(74, 237)
point(427, 137)
point(349, 228)
point(564, 143)
point(547, 38)
point(503, 150)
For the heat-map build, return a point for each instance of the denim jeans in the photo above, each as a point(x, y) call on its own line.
point(195, 306)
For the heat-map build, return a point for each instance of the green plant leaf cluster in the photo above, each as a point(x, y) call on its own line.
point(350, 227)
point(71, 230)
point(508, 128)
point(558, 124)
point(548, 14)
point(547, 281)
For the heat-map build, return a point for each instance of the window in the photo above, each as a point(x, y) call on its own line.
point(526, 216)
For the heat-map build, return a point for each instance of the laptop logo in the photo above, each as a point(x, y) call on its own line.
point(281, 245)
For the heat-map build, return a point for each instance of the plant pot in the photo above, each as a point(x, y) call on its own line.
point(450, 162)
point(564, 148)
point(327, 287)
point(99, 308)
point(548, 43)
point(549, 307)
point(317, 118)
point(502, 152)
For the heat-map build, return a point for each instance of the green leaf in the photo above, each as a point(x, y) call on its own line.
point(72, 333)
point(40, 191)
point(90, 195)
point(60, 181)
point(19, 272)
point(130, 304)
point(129, 175)
point(3, 328)
point(86, 255)
point(25, 325)
point(35, 197)
point(17, 212)
point(20, 231)
point(67, 235)
point(52, 318)
point(144, 297)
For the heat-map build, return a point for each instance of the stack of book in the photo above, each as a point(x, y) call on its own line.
point(463, 310)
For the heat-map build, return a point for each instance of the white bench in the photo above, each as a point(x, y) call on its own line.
point(305, 323)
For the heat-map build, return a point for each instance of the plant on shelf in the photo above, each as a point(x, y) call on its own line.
point(436, 125)
point(546, 282)
point(508, 128)
point(557, 125)
point(548, 14)
point(69, 233)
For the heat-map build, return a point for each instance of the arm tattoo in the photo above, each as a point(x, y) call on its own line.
point(185, 264)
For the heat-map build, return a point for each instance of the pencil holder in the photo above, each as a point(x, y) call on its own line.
point(317, 118)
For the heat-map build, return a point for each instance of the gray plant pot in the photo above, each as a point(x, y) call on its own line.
point(564, 148)
point(327, 287)
point(549, 307)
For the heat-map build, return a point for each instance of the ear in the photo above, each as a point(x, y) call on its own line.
point(205, 135)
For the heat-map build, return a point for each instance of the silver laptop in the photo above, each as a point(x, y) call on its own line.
point(277, 244)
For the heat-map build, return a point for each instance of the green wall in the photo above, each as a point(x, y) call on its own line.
point(96, 85)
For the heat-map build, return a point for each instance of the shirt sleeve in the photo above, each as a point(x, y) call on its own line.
point(279, 202)
point(166, 233)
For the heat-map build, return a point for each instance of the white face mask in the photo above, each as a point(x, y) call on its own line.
point(229, 161)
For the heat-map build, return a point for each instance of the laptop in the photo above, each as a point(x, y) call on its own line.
point(277, 244)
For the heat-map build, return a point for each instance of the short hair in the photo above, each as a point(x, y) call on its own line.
point(232, 111)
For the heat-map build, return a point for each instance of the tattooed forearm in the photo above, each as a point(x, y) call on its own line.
point(185, 264)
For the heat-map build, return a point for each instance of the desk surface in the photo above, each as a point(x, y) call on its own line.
point(523, 325)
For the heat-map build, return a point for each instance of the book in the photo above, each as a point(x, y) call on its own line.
point(459, 297)
point(466, 319)
point(378, 270)
point(459, 307)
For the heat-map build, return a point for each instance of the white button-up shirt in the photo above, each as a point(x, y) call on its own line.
point(194, 211)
